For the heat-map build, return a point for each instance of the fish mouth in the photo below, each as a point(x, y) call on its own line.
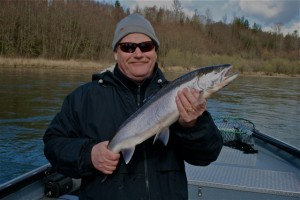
point(229, 76)
point(218, 77)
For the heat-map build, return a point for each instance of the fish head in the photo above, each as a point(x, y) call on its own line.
point(213, 78)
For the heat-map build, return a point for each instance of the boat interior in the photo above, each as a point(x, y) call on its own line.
point(271, 173)
point(250, 167)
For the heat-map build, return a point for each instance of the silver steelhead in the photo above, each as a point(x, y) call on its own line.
point(155, 116)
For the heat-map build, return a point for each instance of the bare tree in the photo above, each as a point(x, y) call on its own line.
point(177, 9)
point(277, 28)
point(224, 19)
point(209, 16)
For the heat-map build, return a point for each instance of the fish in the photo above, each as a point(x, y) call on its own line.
point(157, 114)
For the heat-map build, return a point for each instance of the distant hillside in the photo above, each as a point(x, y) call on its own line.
point(83, 29)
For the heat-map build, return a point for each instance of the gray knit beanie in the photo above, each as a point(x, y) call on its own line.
point(133, 23)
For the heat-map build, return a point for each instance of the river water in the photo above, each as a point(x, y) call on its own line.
point(29, 99)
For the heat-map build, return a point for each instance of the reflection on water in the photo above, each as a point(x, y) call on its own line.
point(30, 98)
point(272, 104)
point(28, 101)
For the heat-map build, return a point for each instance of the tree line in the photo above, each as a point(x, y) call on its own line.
point(83, 29)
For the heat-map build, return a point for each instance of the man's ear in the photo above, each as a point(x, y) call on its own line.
point(116, 56)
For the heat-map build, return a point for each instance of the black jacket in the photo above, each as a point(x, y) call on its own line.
point(94, 112)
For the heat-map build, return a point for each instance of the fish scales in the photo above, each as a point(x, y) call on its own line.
point(156, 115)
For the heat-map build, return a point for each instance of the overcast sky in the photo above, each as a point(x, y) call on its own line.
point(266, 13)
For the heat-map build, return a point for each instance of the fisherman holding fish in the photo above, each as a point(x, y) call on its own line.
point(128, 132)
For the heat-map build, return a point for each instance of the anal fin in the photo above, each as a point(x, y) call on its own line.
point(127, 154)
point(163, 136)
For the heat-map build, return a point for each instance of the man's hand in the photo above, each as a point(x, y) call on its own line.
point(191, 104)
point(103, 159)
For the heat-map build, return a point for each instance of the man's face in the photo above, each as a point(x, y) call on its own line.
point(137, 65)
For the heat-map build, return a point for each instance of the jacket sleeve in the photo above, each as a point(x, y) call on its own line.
point(198, 145)
point(68, 152)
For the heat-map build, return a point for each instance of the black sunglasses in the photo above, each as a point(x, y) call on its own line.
point(130, 47)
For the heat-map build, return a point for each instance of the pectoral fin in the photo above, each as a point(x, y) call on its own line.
point(127, 154)
point(163, 136)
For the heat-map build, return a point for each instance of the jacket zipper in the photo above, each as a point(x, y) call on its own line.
point(138, 96)
point(146, 174)
point(139, 103)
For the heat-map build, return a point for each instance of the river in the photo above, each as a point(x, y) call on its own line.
point(29, 99)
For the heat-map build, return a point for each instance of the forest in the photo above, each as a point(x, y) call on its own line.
point(83, 30)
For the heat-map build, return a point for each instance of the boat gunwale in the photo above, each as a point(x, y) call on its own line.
point(23, 180)
point(277, 143)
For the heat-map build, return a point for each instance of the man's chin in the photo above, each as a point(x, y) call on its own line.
point(140, 76)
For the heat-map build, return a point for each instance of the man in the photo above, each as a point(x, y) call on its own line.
point(77, 138)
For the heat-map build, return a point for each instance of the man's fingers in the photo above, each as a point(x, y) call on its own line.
point(103, 159)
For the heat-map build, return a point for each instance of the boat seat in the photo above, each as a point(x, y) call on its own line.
point(68, 197)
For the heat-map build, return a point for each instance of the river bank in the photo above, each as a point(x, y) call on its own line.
point(40, 63)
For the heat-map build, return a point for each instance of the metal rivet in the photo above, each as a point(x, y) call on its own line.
point(199, 192)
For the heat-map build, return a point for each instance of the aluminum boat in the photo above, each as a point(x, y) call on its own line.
point(251, 166)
